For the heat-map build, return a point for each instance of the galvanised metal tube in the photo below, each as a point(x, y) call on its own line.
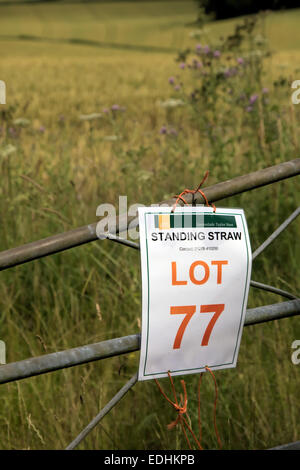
point(272, 312)
point(86, 234)
point(253, 180)
point(114, 347)
point(276, 233)
point(290, 446)
point(272, 289)
point(69, 358)
point(114, 401)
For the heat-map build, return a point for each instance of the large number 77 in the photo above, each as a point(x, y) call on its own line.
point(188, 311)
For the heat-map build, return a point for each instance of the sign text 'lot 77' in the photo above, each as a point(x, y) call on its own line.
point(196, 268)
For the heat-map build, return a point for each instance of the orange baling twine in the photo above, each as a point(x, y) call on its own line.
point(215, 407)
point(193, 192)
point(182, 410)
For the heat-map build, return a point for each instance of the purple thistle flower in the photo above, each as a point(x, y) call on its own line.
point(217, 54)
point(163, 130)
point(198, 47)
point(265, 90)
point(115, 107)
point(177, 87)
point(206, 49)
point(173, 131)
point(171, 80)
point(230, 72)
point(240, 60)
point(253, 98)
point(249, 109)
point(182, 65)
point(42, 129)
point(105, 110)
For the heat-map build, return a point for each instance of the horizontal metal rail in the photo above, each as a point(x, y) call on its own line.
point(86, 234)
point(69, 358)
point(114, 347)
point(272, 312)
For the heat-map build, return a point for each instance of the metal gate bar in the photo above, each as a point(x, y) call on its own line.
point(272, 312)
point(272, 289)
point(275, 234)
point(290, 446)
point(254, 316)
point(118, 396)
point(84, 354)
point(115, 347)
point(68, 358)
point(86, 234)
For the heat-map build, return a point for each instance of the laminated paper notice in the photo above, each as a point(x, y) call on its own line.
point(196, 267)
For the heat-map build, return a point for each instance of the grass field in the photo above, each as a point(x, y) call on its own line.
point(60, 61)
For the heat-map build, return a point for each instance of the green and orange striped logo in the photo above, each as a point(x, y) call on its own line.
point(193, 220)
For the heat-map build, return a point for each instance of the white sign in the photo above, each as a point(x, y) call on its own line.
point(196, 267)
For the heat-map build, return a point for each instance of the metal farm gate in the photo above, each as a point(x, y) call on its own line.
point(117, 346)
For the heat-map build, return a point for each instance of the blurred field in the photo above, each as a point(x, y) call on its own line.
point(61, 61)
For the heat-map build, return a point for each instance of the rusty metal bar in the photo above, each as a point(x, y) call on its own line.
point(276, 233)
point(114, 401)
point(114, 347)
point(86, 234)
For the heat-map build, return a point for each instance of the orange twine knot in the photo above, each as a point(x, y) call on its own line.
point(193, 192)
point(181, 409)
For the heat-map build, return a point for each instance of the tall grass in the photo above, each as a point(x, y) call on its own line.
point(56, 169)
